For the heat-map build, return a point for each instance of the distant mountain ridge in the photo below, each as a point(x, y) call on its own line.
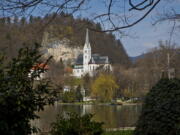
point(135, 58)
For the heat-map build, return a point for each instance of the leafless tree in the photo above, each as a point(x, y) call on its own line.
point(171, 16)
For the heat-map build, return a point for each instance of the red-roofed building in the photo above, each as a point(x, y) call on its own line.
point(39, 67)
point(68, 70)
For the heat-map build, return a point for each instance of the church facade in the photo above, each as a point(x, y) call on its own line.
point(88, 63)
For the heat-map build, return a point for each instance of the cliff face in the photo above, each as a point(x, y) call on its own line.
point(60, 50)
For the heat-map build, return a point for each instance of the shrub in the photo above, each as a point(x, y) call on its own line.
point(69, 97)
point(74, 124)
point(161, 110)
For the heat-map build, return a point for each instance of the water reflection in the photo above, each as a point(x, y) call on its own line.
point(113, 116)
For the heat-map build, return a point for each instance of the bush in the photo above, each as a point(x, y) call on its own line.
point(69, 97)
point(19, 96)
point(161, 110)
point(73, 124)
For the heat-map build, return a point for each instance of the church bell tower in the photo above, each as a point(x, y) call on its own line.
point(86, 52)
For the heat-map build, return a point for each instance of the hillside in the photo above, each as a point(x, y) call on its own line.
point(25, 32)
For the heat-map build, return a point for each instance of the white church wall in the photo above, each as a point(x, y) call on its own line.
point(78, 72)
point(86, 67)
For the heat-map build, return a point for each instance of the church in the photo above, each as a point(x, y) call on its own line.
point(88, 63)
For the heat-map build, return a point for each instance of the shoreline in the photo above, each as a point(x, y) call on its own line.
point(106, 130)
point(92, 103)
point(120, 129)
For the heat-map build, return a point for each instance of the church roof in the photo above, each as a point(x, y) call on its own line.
point(79, 60)
point(97, 59)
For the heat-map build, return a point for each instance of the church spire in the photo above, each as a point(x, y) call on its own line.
point(87, 43)
point(86, 52)
point(87, 36)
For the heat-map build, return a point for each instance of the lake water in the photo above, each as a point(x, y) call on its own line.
point(113, 116)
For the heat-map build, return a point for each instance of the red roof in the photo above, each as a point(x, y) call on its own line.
point(68, 69)
point(40, 66)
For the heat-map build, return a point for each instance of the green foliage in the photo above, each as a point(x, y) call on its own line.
point(104, 87)
point(73, 95)
point(69, 97)
point(73, 124)
point(161, 110)
point(87, 81)
point(72, 81)
point(19, 97)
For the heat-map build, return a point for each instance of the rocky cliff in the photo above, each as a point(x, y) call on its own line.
point(60, 50)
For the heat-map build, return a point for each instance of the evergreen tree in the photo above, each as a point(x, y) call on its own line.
point(23, 21)
point(31, 19)
point(16, 20)
point(79, 96)
point(8, 20)
point(161, 111)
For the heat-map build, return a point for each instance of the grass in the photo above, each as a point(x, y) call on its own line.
point(122, 132)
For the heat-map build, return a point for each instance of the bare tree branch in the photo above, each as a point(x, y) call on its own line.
point(133, 23)
point(112, 16)
point(172, 32)
point(137, 7)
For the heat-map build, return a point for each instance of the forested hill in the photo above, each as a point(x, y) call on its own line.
point(18, 31)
